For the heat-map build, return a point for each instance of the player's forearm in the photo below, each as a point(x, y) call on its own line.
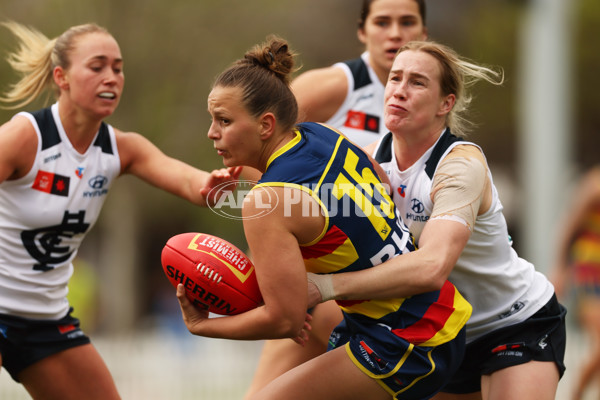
point(402, 276)
point(419, 271)
point(251, 325)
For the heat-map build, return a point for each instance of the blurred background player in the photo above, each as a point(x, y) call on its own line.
point(349, 95)
point(578, 266)
point(56, 168)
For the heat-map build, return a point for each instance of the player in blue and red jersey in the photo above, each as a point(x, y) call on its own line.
point(321, 207)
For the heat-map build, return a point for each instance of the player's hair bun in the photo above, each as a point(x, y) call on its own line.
point(264, 76)
point(274, 55)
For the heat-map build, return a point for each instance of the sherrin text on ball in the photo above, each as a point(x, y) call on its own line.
point(216, 274)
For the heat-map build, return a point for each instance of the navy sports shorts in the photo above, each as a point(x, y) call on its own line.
point(24, 341)
point(404, 370)
point(542, 337)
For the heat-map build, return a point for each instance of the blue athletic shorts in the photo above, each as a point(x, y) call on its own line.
point(24, 341)
point(404, 370)
point(542, 337)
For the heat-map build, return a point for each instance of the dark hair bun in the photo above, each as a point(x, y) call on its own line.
point(274, 55)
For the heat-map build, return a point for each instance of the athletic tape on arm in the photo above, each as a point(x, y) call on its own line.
point(458, 187)
point(324, 283)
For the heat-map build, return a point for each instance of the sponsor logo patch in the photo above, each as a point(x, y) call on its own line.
point(509, 350)
point(99, 186)
point(361, 120)
point(66, 328)
point(51, 183)
point(515, 308)
point(371, 357)
point(402, 190)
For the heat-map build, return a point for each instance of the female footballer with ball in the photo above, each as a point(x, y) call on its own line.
point(349, 97)
point(56, 167)
point(332, 214)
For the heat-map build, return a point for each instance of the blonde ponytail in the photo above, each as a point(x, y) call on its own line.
point(35, 60)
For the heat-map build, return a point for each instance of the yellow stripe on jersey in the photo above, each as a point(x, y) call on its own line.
point(344, 255)
point(375, 309)
point(453, 325)
point(331, 159)
point(286, 147)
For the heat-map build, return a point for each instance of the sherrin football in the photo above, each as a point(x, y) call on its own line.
point(217, 276)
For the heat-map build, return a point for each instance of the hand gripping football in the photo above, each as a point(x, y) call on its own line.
point(215, 273)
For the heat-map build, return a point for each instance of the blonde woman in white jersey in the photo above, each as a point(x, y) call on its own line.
point(349, 97)
point(56, 168)
point(444, 189)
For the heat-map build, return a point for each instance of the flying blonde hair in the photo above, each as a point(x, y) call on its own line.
point(35, 60)
point(457, 76)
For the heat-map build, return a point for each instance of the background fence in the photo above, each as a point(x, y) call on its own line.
point(165, 366)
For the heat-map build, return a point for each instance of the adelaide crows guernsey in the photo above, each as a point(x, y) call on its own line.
point(362, 229)
point(45, 215)
point(503, 287)
point(584, 255)
point(360, 117)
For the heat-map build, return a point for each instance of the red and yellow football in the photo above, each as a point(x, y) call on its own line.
point(217, 275)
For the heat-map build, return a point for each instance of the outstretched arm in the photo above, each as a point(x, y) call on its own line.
point(142, 158)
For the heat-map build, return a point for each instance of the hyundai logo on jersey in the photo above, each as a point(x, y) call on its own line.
point(417, 206)
point(98, 182)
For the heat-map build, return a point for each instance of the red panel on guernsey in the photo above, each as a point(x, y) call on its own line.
point(433, 320)
point(333, 239)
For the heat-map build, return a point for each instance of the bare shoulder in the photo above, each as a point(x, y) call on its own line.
point(18, 129)
point(589, 185)
point(132, 142)
point(126, 137)
point(316, 77)
point(593, 175)
point(133, 148)
point(370, 148)
point(126, 142)
point(261, 200)
point(320, 92)
point(19, 143)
